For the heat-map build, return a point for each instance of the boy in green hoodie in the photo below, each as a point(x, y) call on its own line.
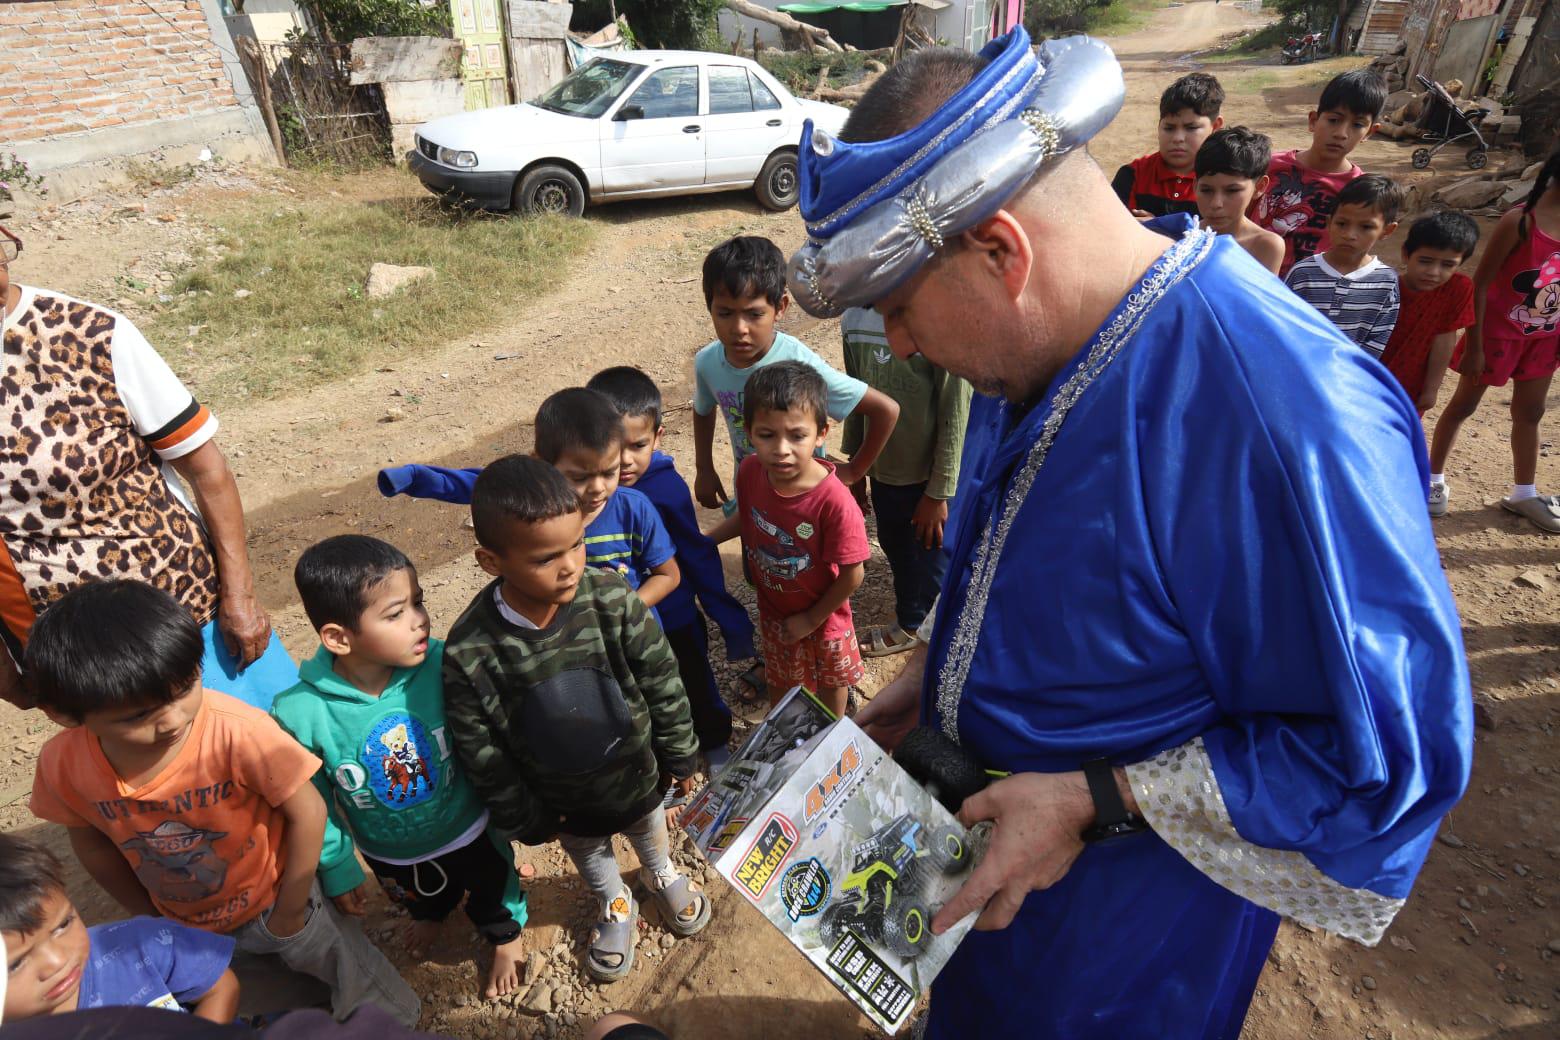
point(370, 704)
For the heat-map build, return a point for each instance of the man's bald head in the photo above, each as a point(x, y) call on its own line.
point(907, 94)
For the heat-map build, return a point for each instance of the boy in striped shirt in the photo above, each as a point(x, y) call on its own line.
point(1348, 283)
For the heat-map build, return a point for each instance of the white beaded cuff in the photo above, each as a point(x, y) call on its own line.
point(1179, 795)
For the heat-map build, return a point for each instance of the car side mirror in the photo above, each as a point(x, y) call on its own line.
point(628, 112)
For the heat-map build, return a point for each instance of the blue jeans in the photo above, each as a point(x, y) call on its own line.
point(918, 571)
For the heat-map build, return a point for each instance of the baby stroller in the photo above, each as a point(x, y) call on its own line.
point(1443, 119)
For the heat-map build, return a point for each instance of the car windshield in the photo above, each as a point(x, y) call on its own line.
point(589, 90)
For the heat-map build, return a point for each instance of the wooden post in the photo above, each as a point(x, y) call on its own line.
point(254, 65)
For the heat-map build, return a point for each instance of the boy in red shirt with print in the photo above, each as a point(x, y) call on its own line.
point(1164, 181)
point(1437, 303)
point(803, 534)
point(1303, 183)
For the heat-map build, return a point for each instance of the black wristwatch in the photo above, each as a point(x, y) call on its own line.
point(1111, 818)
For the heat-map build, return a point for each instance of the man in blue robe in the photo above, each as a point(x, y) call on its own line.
point(1194, 607)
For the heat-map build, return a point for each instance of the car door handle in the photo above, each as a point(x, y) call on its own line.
point(691, 128)
point(774, 122)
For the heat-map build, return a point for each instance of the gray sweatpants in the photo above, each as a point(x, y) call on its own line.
point(335, 951)
point(594, 859)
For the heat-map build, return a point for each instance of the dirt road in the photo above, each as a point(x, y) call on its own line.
point(1470, 955)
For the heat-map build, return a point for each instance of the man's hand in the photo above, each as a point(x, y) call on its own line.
point(928, 519)
point(1142, 214)
point(896, 709)
point(1038, 819)
point(353, 903)
point(708, 489)
point(796, 628)
point(850, 475)
point(244, 626)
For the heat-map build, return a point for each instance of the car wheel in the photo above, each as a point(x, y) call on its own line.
point(550, 189)
point(777, 187)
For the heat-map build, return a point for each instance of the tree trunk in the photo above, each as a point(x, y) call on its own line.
point(816, 36)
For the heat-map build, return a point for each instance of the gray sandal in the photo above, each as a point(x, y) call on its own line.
point(675, 900)
point(614, 940)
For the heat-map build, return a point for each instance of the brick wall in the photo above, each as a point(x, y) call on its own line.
point(79, 65)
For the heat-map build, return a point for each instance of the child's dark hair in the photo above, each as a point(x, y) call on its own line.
point(29, 875)
point(783, 386)
point(630, 390)
point(335, 576)
point(1234, 151)
point(1546, 173)
point(1197, 91)
point(1445, 229)
point(107, 645)
point(577, 418)
point(517, 487)
point(1359, 92)
point(1376, 191)
point(745, 266)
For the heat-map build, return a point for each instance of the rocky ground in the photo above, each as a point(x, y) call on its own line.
point(1471, 956)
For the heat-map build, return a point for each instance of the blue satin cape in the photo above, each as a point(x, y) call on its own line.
point(1227, 540)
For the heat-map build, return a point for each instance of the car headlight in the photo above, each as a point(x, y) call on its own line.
point(463, 160)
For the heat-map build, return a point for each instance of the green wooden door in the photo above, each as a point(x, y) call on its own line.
point(485, 66)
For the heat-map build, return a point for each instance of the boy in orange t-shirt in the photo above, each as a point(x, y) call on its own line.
point(186, 802)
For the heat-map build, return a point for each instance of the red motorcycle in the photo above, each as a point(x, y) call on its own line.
point(1301, 49)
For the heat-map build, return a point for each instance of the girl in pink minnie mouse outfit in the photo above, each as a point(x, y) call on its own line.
point(1515, 336)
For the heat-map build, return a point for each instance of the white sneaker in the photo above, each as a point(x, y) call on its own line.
point(1438, 499)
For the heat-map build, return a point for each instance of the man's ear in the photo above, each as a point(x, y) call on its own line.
point(1310, 119)
point(655, 442)
point(336, 638)
point(1218, 122)
point(1389, 229)
point(785, 301)
point(1262, 183)
point(1004, 251)
point(1374, 127)
point(487, 561)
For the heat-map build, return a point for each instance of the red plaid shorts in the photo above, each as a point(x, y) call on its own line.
point(814, 662)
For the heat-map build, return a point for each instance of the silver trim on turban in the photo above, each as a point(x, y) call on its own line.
point(1079, 94)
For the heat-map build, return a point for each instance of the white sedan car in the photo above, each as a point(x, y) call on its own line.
point(634, 125)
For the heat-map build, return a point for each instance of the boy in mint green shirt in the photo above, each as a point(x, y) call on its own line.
point(370, 704)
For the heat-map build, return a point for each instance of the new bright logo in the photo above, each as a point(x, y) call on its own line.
point(401, 762)
point(768, 851)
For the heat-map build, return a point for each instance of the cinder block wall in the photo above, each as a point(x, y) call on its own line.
point(82, 65)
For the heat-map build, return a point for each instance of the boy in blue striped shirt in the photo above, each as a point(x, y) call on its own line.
point(580, 433)
point(1348, 283)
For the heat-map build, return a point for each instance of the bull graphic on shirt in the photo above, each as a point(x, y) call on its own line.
point(1539, 311)
point(400, 761)
point(179, 863)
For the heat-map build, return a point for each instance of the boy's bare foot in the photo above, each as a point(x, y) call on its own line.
point(504, 977)
point(420, 937)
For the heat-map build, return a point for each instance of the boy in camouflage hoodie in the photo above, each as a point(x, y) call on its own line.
point(565, 705)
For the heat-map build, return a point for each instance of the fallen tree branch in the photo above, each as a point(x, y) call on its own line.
point(811, 33)
point(855, 91)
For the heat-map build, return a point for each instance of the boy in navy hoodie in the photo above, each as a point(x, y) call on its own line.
point(652, 472)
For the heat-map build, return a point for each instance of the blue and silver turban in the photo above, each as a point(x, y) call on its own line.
point(878, 210)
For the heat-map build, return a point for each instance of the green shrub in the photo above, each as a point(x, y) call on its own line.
point(348, 20)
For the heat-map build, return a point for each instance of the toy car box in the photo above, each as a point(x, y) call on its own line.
point(844, 853)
